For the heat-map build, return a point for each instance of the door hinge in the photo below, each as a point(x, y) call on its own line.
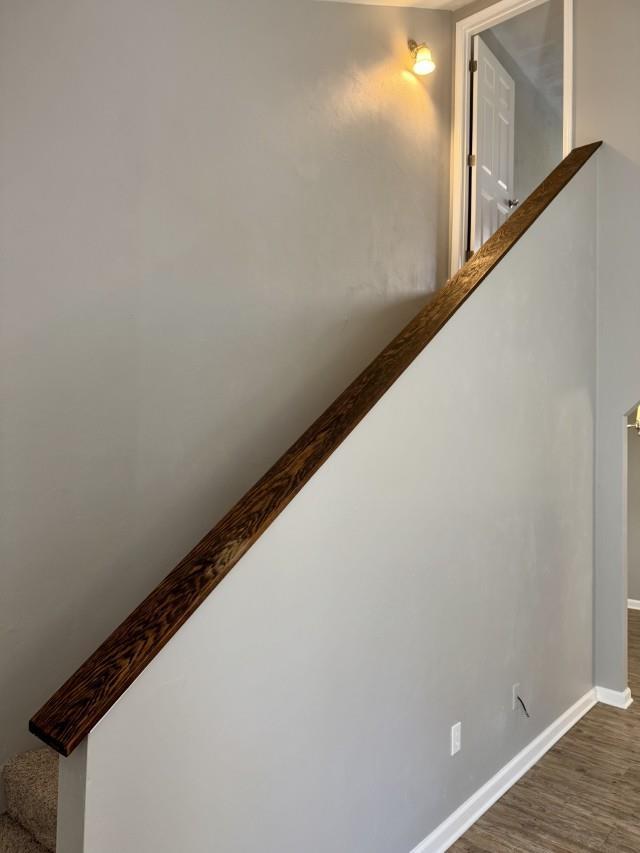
point(469, 254)
point(471, 160)
point(473, 65)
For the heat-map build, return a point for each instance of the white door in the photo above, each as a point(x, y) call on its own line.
point(492, 191)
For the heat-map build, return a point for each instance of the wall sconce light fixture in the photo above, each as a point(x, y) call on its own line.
point(636, 425)
point(422, 60)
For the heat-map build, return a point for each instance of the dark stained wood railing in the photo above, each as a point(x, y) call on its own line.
point(68, 717)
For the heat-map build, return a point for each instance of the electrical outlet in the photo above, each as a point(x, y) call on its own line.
point(456, 738)
point(515, 690)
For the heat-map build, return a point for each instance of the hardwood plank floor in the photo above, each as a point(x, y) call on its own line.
point(583, 795)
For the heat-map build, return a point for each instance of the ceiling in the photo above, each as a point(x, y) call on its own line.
point(534, 42)
point(415, 4)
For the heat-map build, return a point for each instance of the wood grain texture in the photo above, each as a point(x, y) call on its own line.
point(66, 719)
point(582, 795)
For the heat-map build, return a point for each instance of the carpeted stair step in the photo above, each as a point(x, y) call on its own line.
point(15, 839)
point(31, 787)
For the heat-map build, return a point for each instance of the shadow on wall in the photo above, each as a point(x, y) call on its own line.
point(238, 468)
point(197, 261)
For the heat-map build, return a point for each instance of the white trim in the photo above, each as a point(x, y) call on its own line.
point(615, 698)
point(567, 80)
point(457, 823)
point(633, 604)
point(465, 30)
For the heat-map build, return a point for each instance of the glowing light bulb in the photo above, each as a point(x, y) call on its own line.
point(422, 59)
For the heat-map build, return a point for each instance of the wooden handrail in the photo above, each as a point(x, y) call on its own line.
point(68, 717)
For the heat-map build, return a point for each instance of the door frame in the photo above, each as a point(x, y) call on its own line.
point(466, 28)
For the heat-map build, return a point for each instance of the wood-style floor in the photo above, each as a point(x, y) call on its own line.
point(583, 795)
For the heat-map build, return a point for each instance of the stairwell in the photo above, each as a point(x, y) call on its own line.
point(339, 613)
point(31, 789)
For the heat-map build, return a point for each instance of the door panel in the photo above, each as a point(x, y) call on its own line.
point(493, 144)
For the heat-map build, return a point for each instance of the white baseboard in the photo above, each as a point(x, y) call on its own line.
point(616, 698)
point(633, 604)
point(457, 823)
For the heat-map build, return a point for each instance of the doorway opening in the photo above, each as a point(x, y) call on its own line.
point(513, 109)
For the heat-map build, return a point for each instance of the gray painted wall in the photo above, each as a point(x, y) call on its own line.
point(607, 107)
point(314, 691)
point(471, 8)
point(538, 127)
point(633, 493)
point(213, 214)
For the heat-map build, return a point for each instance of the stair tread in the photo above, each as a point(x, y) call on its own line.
point(15, 839)
point(31, 786)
